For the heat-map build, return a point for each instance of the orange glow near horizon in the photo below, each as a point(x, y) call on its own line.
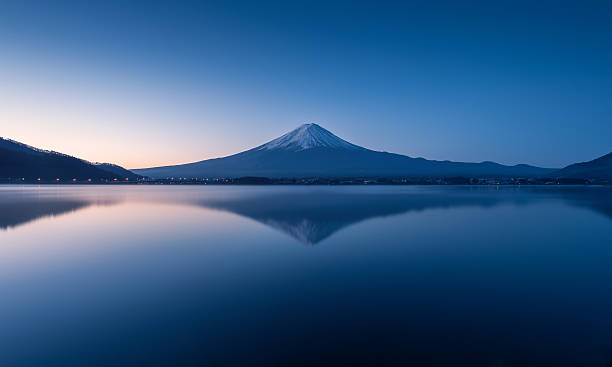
point(133, 123)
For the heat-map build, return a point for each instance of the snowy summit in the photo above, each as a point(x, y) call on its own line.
point(308, 136)
point(312, 151)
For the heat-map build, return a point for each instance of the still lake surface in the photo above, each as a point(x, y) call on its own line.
point(290, 275)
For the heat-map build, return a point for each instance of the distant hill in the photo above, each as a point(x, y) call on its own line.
point(117, 170)
point(18, 160)
point(599, 168)
point(312, 151)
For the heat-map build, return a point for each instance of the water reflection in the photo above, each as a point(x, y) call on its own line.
point(13, 214)
point(169, 276)
point(309, 216)
point(597, 199)
point(18, 207)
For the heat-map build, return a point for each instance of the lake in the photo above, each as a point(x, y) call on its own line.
point(305, 275)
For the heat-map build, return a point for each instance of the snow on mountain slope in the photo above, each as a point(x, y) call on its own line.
point(308, 136)
point(312, 151)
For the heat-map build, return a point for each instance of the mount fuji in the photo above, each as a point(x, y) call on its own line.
point(312, 151)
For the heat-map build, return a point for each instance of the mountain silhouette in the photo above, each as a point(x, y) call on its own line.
point(116, 170)
point(312, 151)
point(599, 168)
point(18, 160)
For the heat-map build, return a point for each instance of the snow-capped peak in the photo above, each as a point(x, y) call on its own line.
point(308, 136)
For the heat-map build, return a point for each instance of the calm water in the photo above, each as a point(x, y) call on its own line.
point(265, 276)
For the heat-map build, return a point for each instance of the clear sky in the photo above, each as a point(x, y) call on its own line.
point(151, 83)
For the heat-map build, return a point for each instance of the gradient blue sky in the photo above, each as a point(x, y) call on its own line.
point(153, 83)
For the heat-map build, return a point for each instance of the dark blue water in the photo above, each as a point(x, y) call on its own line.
point(291, 276)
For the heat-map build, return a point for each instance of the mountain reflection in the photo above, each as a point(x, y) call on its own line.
point(597, 200)
point(19, 210)
point(13, 214)
point(311, 217)
point(314, 216)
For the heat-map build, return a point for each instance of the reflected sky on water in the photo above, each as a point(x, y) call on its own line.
point(290, 275)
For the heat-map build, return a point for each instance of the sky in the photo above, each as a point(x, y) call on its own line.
point(150, 83)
